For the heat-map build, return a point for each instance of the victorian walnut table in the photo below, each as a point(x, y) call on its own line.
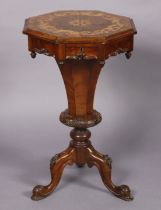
point(80, 42)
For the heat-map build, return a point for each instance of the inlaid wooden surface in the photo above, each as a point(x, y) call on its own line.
point(80, 42)
point(66, 25)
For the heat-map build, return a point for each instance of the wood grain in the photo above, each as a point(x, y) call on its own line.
point(80, 42)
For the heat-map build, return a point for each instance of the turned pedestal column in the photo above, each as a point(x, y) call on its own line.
point(80, 41)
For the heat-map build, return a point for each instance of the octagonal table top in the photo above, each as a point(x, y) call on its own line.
point(78, 25)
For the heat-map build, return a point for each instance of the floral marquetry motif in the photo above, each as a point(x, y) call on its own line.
point(64, 25)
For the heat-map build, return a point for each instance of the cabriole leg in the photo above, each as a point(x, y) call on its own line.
point(104, 165)
point(57, 164)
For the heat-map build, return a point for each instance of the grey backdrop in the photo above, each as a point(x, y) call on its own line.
point(33, 95)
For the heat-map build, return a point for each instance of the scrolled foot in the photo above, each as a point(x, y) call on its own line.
point(57, 164)
point(39, 192)
point(124, 193)
point(104, 165)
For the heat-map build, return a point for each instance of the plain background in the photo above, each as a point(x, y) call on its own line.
point(32, 95)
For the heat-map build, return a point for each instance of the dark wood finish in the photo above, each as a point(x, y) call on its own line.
point(80, 41)
point(80, 79)
point(81, 152)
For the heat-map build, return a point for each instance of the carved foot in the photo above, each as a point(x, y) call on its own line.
point(104, 165)
point(39, 192)
point(123, 192)
point(57, 164)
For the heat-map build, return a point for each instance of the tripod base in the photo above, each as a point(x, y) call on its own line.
point(81, 152)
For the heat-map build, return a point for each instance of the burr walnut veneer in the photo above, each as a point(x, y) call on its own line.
point(80, 42)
